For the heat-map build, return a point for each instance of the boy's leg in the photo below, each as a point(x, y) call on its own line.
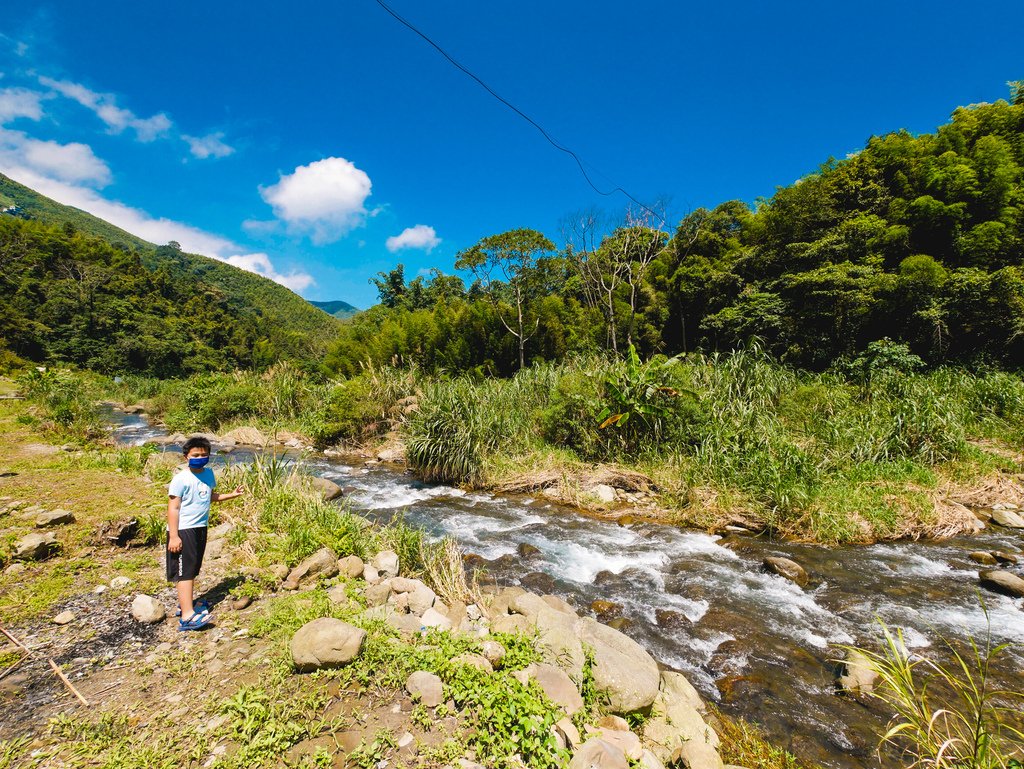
point(185, 597)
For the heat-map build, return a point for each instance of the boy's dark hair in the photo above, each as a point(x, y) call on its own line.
point(195, 443)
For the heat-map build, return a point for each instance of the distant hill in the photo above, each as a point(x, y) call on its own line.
point(272, 321)
point(337, 308)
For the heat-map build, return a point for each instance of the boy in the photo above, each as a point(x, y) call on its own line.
point(188, 512)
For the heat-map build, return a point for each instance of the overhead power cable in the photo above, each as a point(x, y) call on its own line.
point(514, 108)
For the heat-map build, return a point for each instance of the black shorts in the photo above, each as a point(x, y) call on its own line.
point(186, 564)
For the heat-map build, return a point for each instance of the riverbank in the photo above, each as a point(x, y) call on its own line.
point(230, 697)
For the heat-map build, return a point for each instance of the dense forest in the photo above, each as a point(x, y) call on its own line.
point(70, 297)
point(919, 239)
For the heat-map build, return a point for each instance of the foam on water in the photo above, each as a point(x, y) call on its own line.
point(580, 563)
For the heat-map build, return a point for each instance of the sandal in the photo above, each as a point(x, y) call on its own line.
point(197, 621)
point(202, 606)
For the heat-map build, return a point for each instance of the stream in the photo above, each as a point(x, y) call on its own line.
point(756, 644)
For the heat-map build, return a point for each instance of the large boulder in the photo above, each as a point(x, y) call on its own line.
point(676, 733)
point(326, 643)
point(622, 668)
point(1008, 518)
point(559, 641)
point(147, 610)
point(327, 488)
point(322, 564)
point(36, 547)
point(787, 568)
point(1002, 581)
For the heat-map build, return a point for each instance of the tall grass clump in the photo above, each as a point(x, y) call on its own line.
point(949, 716)
point(67, 401)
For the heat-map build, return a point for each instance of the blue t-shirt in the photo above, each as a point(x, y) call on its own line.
point(195, 490)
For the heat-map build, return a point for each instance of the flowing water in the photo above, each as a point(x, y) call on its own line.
point(757, 644)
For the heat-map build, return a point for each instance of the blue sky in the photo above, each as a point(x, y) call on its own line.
point(321, 143)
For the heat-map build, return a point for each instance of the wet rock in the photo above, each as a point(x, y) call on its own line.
point(604, 608)
point(1007, 559)
point(618, 623)
point(1004, 582)
point(673, 620)
point(526, 550)
point(595, 753)
point(625, 520)
point(857, 677)
point(147, 610)
point(474, 561)
point(56, 517)
point(426, 687)
point(787, 568)
point(35, 547)
point(64, 618)
point(325, 643)
point(983, 558)
point(322, 564)
point(1008, 518)
point(327, 488)
point(386, 563)
point(135, 408)
point(622, 668)
point(350, 566)
point(539, 581)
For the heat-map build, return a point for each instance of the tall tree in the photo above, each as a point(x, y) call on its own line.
point(512, 255)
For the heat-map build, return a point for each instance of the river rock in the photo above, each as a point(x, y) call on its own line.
point(64, 618)
point(604, 493)
point(1007, 559)
point(1003, 582)
point(558, 604)
point(247, 436)
point(386, 563)
point(421, 599)
point(56, 517)
point(618, 623)
point(327, 488)
point(983, 558)
point(787, 568)
point(393, 453)
point(370, 574)
point(351, 566)
point(426, 687)
point(622, 668)
point(322, 564)
point(378, 594)
point(559, 640)
point(605, 608)
point(858, 676)
point(539, 581)
point(667, 618)
point(326, 643)
point(433, 618)
point(557, 686)
point(595, 753)
point(1007, 518)
point(676, 732)
point(493, 651)
point(526, 550)
point(147, 610)
point(474, 661)
point(278, 572)
point(35, 547)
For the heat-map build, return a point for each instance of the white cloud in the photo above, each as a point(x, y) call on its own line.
point(261, 265)
point(325, 198)
point(155, 230)
point(117, 119)
point(211, 145)
point(420, 236)
point(20, 102)
point(74, 163)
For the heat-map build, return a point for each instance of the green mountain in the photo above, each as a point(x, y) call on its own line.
point(78, 289)
point(337, 308)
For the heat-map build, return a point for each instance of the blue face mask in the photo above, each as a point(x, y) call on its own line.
point(198, 462)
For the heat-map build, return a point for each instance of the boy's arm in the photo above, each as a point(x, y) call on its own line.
point(215, 497)
point(173, 509)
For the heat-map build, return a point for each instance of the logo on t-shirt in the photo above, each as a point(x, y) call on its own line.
point(204, 491)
